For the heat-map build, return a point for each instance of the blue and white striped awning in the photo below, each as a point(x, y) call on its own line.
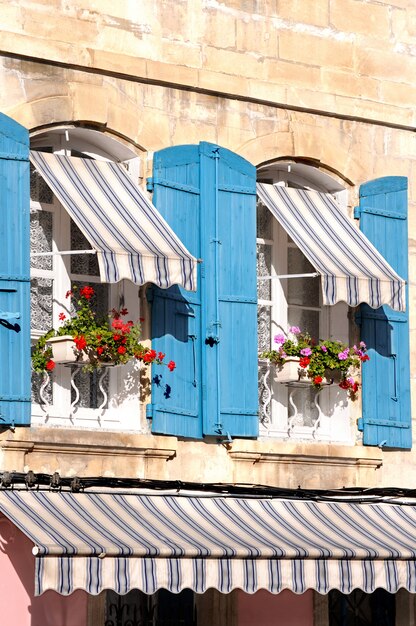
point(121, 541)
point(131, 238)
point(351, 268)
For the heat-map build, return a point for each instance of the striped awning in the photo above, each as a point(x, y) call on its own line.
point(131, 238)
point(351, 268)
point(120, 541)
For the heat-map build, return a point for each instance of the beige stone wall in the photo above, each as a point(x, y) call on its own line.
point(354, 57)
point(310, 76)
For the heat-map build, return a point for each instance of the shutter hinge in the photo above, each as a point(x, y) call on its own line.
point(149, 183)
point(149, 411)
point(357, 212)
point(360, 424)
point(9, 315)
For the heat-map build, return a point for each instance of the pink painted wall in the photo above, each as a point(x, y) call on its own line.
point(18, 606)
point(266, 609)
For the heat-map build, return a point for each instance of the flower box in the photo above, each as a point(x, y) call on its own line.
point(289, 371)
point(64, 350)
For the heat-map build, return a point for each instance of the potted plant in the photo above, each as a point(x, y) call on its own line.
point(299, 357)
point(94, 342)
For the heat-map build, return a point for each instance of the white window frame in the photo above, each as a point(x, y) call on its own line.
point(335, 424)
point(123, 406)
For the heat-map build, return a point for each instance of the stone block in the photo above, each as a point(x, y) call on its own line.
point(229, 62)
point(223, 83)
point(404, 25)
point(118, 63)
point(187, 131)
point(315, 13)
point(288, 73)
point(170, 73)
point(218, 29)
point(315, 50)
point(180, 53)
point(89, 102)
point(386, 65)
point(52, 25)
point(354, 16)
point(345, 83)
point(257, 35)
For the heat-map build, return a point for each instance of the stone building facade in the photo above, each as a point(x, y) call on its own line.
point(325, 84)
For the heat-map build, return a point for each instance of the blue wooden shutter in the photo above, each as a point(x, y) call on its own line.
point(14, 274)
point(228, 200)
point(176, 313)
point(386, 419)
point(207, 195)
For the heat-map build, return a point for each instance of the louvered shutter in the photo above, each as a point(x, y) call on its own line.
point(386, 418)
point(207, 195)
point(14, 274)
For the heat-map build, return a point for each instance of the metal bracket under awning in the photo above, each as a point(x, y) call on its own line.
point(66, 252)
point(280, 276)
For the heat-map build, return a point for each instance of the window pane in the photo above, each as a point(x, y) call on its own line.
point(301, 291)
point(41, 223)
point(37, 385)
point(39, 190)
point(41, 304)
point(88, 385)
point(361, 609)
point(263, 327)
point(304, 400)
point(264, 221)
point(99, 301)
point(82, 263)
point(264, 268)
point(308, 321)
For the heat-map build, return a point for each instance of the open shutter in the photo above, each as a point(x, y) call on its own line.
point(386, 419)
point(176, 313)
point(228, 199)
point(14, 274)
point(207, 195)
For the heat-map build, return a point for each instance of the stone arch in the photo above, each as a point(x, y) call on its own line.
point(90, 106)
point(333, 145)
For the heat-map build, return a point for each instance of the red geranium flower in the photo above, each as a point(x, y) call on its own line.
point(50, 365)
point(80, 342)
point(161, 356)
point(100, 350)
point(304, 361)
point(171, 365)
point(86, 292)
point(123, 312)
point(317, 380)
point(68, 293)
point(121, 350)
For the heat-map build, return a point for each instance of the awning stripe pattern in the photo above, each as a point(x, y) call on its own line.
point(132, 239)
point(120, 541)
point(351, 268)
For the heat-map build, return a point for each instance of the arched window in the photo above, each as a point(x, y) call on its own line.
point(106, 398)
point(296, 412)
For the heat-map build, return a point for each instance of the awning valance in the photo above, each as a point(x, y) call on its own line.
point(120, 541)
point(351, 268)
point(131, 238)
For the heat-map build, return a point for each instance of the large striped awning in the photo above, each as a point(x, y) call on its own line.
point(120, 541)
point(131, 238)
point(351, 268)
